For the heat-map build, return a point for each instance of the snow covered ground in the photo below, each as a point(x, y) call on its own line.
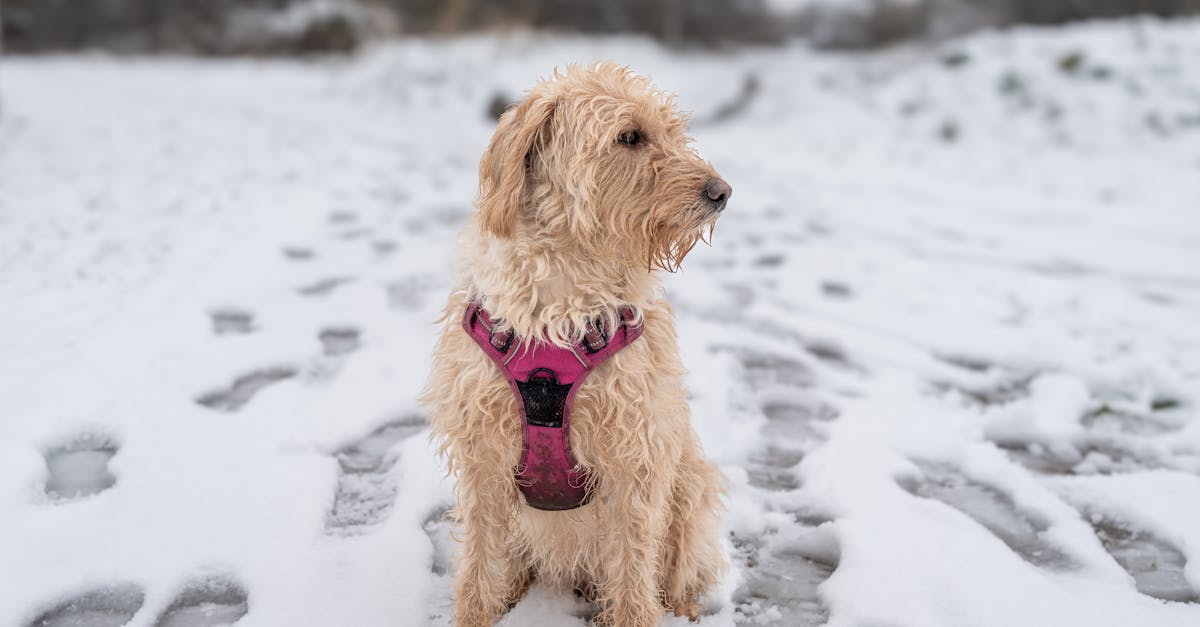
point(945, 346)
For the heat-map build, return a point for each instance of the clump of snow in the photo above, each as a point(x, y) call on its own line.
point(1052, 411)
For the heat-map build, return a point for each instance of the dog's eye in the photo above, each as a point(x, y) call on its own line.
point(630, 138)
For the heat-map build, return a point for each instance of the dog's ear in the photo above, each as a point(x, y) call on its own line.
point(504, 168)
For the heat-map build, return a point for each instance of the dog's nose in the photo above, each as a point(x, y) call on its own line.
point(718, 192)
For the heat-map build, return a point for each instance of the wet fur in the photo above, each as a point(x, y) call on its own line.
point(572, 224)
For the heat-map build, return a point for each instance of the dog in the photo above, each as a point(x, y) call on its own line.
point(588, 187)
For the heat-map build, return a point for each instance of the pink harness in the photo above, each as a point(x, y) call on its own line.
point(544, 378)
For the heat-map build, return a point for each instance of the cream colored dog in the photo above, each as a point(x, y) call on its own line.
point(588, 186)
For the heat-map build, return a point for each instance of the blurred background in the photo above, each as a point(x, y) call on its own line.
point(286, 27)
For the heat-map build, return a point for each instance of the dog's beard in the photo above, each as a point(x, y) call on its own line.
point(673, 242)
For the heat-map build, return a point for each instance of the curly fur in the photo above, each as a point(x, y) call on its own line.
point(572, 224)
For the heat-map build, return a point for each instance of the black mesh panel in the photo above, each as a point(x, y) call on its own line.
point(544, 399)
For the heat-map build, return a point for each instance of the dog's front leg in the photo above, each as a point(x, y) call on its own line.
point(484, 584)
point(630, 590)
point(693, 557)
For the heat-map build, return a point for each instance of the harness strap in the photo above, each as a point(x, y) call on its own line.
point(544, 379)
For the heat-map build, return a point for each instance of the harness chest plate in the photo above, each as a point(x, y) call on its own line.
point(544, 378)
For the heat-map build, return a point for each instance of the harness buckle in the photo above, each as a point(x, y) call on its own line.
point(595, 339)
point(501, 341)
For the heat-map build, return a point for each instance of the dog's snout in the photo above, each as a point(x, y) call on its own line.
point(718, 192)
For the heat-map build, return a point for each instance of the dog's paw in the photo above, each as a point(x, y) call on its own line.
point(604, 618)
point(629, 615)
point(472, 619)
point(691, 608)
point(519, 588)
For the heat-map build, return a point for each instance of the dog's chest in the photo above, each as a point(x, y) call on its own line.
point(546, 381)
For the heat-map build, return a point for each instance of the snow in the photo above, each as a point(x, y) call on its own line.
point(943, 347)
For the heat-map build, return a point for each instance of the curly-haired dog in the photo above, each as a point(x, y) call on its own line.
point(557, 383)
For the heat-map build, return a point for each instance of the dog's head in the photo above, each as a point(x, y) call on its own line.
point(596, 158)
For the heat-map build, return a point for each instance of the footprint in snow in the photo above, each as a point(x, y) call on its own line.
point(994, 511)
point(827, 351)
point(324, 287)
point(1119, 439)
point(80, 467)
point(1006, 391)
point(416, 226)
point(243, 388)
point(355, 233)
point(342, 217)
point(797, 423)
point(337, 343)
point(232, 322)
point(739, 293)
point(780, 580)
point(836, 290)
point(207, 602)
point(793, 427)
point(366, 491)
point(298, 253)
point(437, 528)
point(765, 370)
point(831, 354)
point(383, 247)
point(966, 362)
point(770, 260)
point(1089, 455)
point(408, 293)
point(773, 469)
point(111, 606)
point(449, 215)
point(1157, 567)
point(339, 340)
